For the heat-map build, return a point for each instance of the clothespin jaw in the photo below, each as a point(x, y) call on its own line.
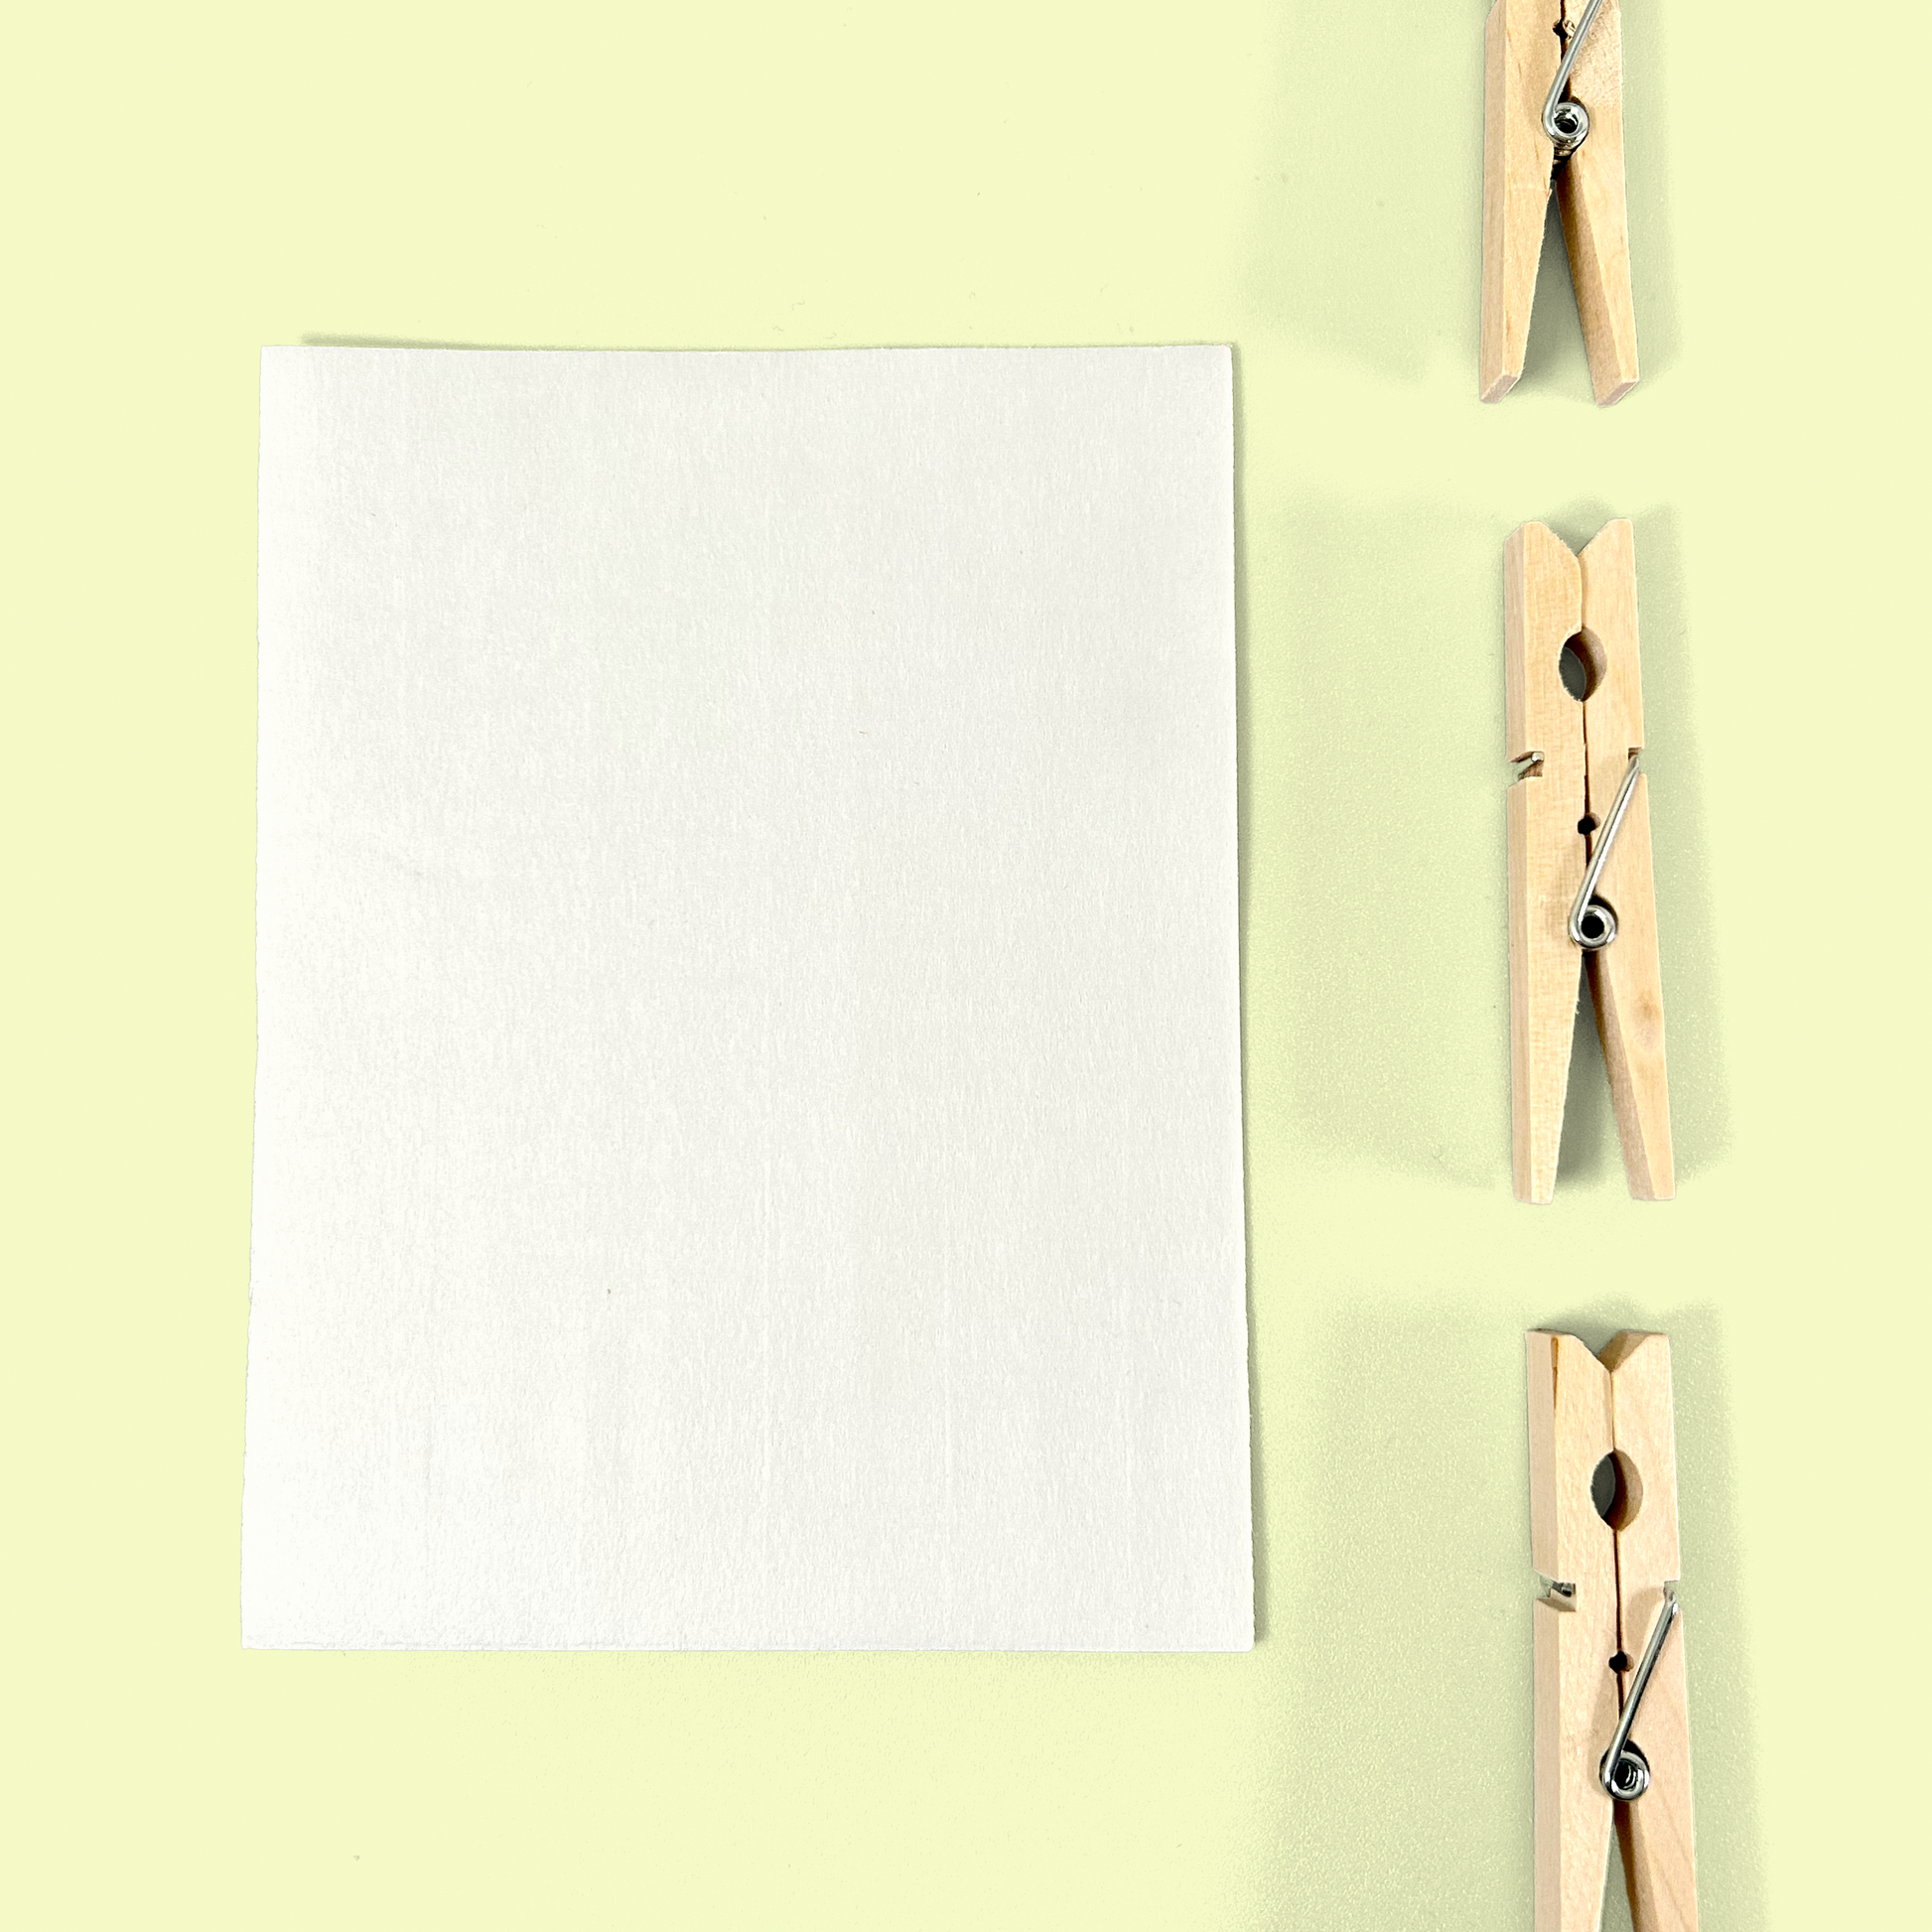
point(1579, 791)
point(1526, 45)
point(1604, 1532)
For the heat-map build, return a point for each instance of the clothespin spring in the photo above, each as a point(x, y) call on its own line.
point(1625, 1772)
point(1567, 122)
point(1593, 925)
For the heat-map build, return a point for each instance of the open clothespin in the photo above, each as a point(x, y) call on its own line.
point(1553, 110)
point(1581, 888)
point(1612, 1726)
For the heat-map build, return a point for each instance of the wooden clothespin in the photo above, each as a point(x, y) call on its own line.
point(1580, 874)
point(1612, 1727)
point(1552, 108)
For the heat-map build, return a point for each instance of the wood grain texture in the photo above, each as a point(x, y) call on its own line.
point(1550, 597)
point(1596, 212)
point(1521, 54)
point(1583, 1408)
point(1627, 981)
point(1542, 609)
point(1659, 1852)
point(1573, 1636)
point(1644, 1433)
point(1520, 57)
point(1570, 1432)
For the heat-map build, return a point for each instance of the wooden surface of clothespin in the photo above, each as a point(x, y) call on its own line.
point(1524, 47)
point(1610, 1572)
point(1576, 757)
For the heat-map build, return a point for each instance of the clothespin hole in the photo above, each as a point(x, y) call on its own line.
point(1582, 665)
point(1587, 825)
point(1575, 669)
point(1616, 1490)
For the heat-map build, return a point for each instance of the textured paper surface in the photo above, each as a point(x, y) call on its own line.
point(748, 1145)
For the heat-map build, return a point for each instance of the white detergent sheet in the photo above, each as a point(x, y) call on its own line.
point(748, 1124)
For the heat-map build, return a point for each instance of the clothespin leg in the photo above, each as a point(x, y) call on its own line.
point(1575, 1712)
point(1521, 54)
point(1627, 989)
point(1595, 213)
point(1627, 981)
point(1544, 985)
point(1575, 1631)
point(1542, 608)
point(1659, 1860)
point(1654, 1834)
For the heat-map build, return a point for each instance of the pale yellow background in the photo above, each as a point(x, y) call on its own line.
point(185, 183)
